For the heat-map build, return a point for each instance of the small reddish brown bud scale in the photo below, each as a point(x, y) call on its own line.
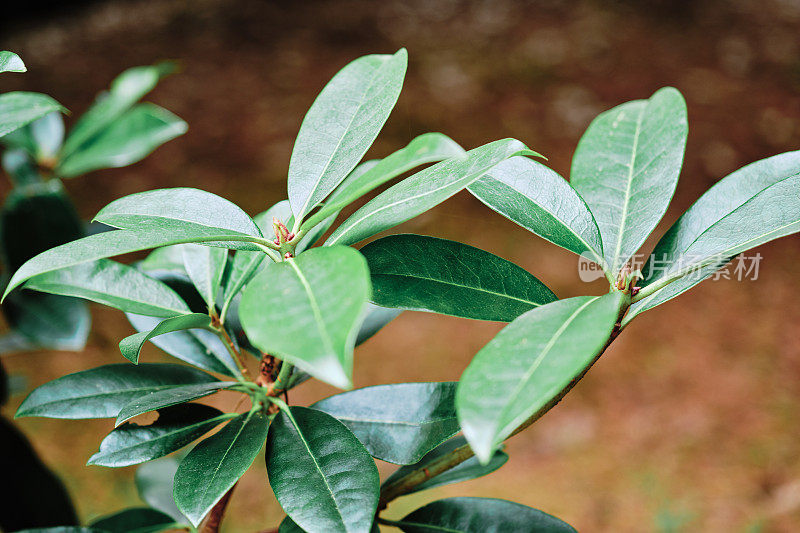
point(277, 242)
point(635, 290)
point(288, 255)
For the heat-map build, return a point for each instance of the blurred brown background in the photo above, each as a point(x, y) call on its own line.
point(690, 421)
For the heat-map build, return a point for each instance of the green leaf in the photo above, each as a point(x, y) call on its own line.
point(217, 463)
point(111, 243)
point(375, 319)
point(341, 125)
point(541, 201)
point(397, 423)
point(177, 426)
point(132, 345)
point(480, 515)
point(198, 347)
point(154, 481)
point(528, 364)
point(205, 266)
point(125, 91)
point(288, 526)
point(328, 289)
point(181, 208)
point(772, 213)
point(448, 277)
point(728, 194)
point(626, 167)
point(11, 62)
point(41, 139)
point(469, 469)
point(113, 284)
point(48, 321)
point(321, 474)
point(152, 400)
point(136, 520)
point(129, 139)
point(101, 392)
point(20, 108)
point(62, 529)
point(426, 148)
point(424, 190)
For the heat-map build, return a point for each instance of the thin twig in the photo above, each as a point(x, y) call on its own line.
point(213, 519)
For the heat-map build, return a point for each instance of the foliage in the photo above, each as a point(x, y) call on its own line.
point(222, 291)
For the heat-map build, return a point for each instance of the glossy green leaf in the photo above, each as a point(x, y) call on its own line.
point(41, 139)
point(11, 62)
point(533, 196)
point(152, 400)
point(480, 515)
point(129, 139)
point(154, 481)
point(429, 274)
point(20, 108)
point(469, 469)
point(626, 167)
point(529, 363)
point(63, 529)
point(424, 190)
point(728, 194)
point(341, 125)
point(111, 243)
point(320, 473)
point(397, 423)
point(132, 345)
point(426, 148)
point(217, 463)
point(136, 520)
point(179, 208)
point(198, 347)
point(113, 284)
point(770, 214)
point(125, 90)
point(101, 392)
point(205, 266)
point(288, 526)
point(176, 426)
point(328, 289)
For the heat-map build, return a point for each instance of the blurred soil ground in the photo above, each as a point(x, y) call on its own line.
point(691, 422)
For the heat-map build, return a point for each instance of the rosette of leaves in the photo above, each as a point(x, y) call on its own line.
point(260, 287)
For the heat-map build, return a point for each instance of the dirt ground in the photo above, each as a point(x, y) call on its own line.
point(688, 423)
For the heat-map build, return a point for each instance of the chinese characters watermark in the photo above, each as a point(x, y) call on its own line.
point(742, 267)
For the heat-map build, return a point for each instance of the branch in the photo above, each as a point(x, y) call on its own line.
point(213, 519)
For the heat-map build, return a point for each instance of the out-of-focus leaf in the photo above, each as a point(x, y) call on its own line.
point(376, 318)
point(35, 496)
point(480, 515)
point(129, 139)
point(11, 62)
point(429, 274)
point(136, 520)
point(217, 463)
point(125, 90)
point(397, 423)
point(20, 108)
point(529, 363)
point(101, 392)
point(328, 288)
point(308, 452)
point(424, 190)
point(48, 321)
point(154, 481)
point(177, 426)
point(341, 125)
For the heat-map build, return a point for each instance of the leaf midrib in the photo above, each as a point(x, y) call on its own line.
point(459, 285)
point(629, 183)
point(314, 308)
